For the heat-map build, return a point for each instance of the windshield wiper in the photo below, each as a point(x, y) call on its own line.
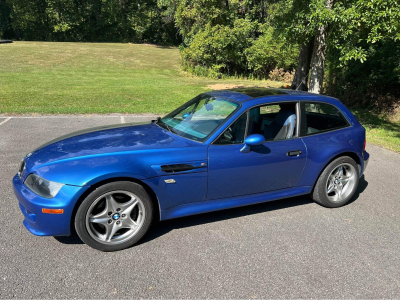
point(165, 125)
point(170, 128)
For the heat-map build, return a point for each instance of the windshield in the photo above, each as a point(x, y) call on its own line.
point(198, 118)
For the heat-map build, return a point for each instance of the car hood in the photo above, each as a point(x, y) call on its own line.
point(105, 140)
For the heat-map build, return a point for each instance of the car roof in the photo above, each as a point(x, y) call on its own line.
point(250, 93)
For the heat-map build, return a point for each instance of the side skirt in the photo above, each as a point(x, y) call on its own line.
point(220, 204)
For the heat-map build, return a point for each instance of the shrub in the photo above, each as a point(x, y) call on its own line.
point(279, 74)
point(219, 49)
point(268, 52)
point(236, 50)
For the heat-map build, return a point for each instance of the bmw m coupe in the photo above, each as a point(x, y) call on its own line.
point(220, 150)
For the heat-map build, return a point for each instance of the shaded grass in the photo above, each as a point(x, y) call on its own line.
point(68, 78)
point(381, 130)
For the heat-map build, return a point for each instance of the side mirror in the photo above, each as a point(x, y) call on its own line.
point(252, 140)
point(185, 115)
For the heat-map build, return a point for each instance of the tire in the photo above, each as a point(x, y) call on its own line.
point(114, 216)
point(337, 183)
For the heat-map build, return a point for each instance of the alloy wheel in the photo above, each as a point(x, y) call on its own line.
point(341, 182)
point(115, 217)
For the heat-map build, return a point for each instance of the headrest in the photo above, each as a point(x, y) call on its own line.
point(283, 115)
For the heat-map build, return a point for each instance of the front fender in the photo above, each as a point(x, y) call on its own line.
point(86, 170)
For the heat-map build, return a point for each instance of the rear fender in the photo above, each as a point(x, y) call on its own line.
point(323, 148)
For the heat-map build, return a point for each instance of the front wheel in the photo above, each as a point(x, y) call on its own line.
point(114, 216)
point(337, 183)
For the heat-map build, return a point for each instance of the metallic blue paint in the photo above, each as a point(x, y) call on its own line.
point(350, 140)
point(252, 140)
point(230, 178)
point(127, 151)
point(31, 206)
point(214, 205)
point(265, 168)
point(187, 188)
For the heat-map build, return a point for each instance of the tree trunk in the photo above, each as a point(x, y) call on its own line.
point(159, 25)
point(122, 3)
point(125, 26)
point(318, 61)
point(303, 69)
point(318, 57)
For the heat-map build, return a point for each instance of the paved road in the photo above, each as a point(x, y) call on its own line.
point(290, 248)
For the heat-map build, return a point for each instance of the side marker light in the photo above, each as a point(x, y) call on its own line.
point(52, 211)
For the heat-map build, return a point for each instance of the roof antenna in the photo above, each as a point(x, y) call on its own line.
point(301, 82)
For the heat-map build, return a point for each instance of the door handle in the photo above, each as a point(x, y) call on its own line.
point(294, 153)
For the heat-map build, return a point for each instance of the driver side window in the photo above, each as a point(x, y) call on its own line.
point(273, 121)
point(234, 134)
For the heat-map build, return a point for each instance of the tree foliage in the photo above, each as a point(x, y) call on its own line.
point(348, 31)
point(367, 83)
point(231, 37)
point(89, 21)
point(350, 23)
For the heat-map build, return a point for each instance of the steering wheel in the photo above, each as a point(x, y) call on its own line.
point(228, 134)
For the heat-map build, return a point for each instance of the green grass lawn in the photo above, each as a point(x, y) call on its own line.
point(71, 78)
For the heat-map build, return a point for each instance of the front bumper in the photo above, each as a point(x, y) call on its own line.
point(31, 205)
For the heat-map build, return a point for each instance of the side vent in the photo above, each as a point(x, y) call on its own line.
point(179, 168)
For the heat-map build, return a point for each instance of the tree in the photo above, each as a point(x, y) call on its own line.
point(340, 25)
point(318, 55)
point(303, 67)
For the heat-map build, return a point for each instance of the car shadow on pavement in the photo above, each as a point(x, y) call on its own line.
point(73, 239)
point(362, 185)
point(162, 228)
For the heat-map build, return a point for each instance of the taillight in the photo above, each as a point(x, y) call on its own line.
point(365, 143)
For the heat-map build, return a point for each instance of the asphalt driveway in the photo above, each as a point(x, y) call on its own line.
point(290, 248)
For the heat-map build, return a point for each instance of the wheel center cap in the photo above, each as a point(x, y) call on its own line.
point(116, 216)
point(336, 181)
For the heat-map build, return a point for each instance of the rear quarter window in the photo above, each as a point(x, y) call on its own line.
point(321, 117)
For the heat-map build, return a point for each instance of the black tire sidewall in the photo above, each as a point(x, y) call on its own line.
point(80, 217)
point(319, 193)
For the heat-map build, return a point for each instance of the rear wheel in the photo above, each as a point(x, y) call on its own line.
point(337, 183)
point(114, 216)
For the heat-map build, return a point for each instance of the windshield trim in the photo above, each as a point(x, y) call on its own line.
point(239, 106)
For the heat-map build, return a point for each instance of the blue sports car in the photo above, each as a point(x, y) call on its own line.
point(221, 149)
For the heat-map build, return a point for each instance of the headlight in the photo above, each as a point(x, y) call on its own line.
point(42, 187)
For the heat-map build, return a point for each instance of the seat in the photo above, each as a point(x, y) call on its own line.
point(254, 118)
point(282, 127)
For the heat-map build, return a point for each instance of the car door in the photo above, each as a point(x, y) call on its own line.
point(266, 167)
